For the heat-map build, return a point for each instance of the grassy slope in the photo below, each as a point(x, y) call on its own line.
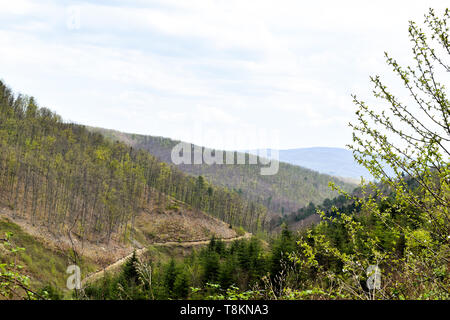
point(44, 265)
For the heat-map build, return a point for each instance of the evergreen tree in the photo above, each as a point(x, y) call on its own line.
point(170, 277)
point(181, 285)
point(130, 274)
point(211, 266)
point(281, 248)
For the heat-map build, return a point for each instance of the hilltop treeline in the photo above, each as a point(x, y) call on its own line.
point(65, 177)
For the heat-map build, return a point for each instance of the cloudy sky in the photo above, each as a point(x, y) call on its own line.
point(226, 74)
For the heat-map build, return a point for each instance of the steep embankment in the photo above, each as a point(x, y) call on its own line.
point(47, 254)
point(45, 258)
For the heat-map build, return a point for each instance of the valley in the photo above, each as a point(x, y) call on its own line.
point(92, 201)
point(88, 213)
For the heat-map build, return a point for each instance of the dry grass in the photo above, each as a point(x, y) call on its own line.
point(180, 223)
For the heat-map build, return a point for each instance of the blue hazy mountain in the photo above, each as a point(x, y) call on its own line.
point(332, 161)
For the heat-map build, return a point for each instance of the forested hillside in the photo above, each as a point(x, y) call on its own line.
point(389, 238)
point(287, 191)
point(65, 177)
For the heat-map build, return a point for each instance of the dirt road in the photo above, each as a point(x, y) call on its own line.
point(139, 252)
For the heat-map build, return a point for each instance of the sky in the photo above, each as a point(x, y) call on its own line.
point(225, 74)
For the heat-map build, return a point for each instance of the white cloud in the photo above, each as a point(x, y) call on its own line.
point(17, 7)
point(156, 67)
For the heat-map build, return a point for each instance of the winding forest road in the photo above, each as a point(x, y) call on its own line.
point(139, 252)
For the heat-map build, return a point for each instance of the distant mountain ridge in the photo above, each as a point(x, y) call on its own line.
point(333, 161)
